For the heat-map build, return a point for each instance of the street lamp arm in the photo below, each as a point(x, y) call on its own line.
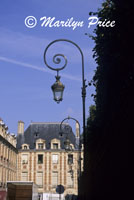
point(68, 119)
point(57, 60)
point(79, 145)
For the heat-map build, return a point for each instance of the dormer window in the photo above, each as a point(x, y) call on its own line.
point(40, 145)
point(55, 145)
point(25, 146)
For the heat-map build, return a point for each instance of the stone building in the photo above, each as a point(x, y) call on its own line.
point(43, 158)
point(39, 154)
point(8, 156)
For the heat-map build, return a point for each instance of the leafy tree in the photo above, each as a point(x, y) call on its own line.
point(91, 114)
point(109, 127)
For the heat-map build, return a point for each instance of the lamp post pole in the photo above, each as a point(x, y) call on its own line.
point(79, 144)
point(58, 87)
point(69, 148)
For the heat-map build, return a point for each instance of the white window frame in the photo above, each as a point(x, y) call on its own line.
point(39, 176)
point(54, 178)
point(55, 158)
point(26, 176)
point(24, 158)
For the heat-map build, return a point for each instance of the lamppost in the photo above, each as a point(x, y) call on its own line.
point(68, 146)
point(58, 87)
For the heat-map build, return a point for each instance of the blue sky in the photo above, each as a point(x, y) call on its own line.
point(25, 81)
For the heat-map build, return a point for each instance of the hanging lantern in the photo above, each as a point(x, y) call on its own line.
point(58, 89)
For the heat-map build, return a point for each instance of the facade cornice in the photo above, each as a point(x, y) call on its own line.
point(48, 150)
point(4, 141)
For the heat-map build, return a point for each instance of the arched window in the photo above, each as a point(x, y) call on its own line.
point(25, 147)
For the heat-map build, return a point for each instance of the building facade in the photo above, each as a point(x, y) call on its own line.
point(43, 159)
point(39, 154)
point(8, 156)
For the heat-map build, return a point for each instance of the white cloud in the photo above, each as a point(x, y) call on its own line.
point(27, 65)
point(26, 46)
point(30, 49)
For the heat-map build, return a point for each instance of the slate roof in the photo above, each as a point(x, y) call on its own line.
point(47, 132)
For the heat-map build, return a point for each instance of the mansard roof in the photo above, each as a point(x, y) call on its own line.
point(47, 132)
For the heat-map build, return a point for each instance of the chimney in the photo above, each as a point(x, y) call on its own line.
point(20, 127)
point(77, 130)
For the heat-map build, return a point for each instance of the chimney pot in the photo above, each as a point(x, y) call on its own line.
point(20, 127)
point(77, 130)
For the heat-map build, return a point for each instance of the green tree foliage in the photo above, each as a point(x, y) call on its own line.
point(92, 113)
point(109, 126)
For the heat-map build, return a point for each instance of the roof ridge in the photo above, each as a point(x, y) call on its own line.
point(48, 123)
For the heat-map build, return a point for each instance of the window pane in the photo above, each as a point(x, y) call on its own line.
point(55, 158)
point(54, 178)
point(39, 179)
point(69, 180)
point(40, 146)
point(40, 159)
point(70, 159)
point(55, 146)
point(24, 158)
point(24, 176)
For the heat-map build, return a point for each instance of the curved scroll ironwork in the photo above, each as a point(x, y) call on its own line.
point(57, 60)
point(67, 118)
